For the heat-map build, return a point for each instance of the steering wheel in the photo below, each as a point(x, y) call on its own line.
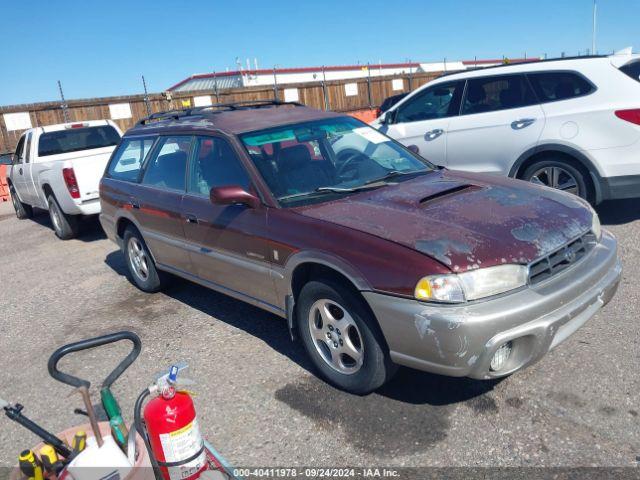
point(348, 159)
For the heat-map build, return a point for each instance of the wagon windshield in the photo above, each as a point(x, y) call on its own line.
point(316, 161)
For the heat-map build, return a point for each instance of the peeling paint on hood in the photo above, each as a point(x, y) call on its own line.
point(495, 221)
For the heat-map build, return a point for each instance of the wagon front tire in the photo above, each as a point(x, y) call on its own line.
point(342, 337)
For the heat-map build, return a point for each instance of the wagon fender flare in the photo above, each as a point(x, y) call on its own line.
point(570, 150)
point(338, 264)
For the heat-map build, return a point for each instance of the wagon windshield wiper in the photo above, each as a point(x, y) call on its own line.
point(326, 190)
point(395, 173)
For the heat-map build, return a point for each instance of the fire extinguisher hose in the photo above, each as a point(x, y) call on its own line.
point(137, 418)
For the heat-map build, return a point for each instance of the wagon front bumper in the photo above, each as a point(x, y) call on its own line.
point(461, 340)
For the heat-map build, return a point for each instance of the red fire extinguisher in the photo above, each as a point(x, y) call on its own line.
point(173, 432)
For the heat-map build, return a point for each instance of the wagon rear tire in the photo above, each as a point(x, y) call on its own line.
point(140, 265)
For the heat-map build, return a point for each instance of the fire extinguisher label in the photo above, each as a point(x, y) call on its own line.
point(180, 445)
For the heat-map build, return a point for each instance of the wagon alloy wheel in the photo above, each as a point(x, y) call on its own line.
point(138, 259)
point(336, 336)
point(556, 177)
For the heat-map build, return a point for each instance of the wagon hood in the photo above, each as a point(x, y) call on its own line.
point(463, 220)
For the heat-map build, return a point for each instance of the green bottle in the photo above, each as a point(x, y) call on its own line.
point(118, 428)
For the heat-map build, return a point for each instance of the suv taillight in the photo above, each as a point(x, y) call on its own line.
point(72, 184)
point(632, 115)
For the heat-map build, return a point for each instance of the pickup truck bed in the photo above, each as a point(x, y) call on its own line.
point(58, 168)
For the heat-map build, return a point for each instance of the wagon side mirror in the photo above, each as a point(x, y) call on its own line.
point(233, 194)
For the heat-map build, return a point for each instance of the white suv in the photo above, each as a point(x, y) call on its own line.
point(572, 123)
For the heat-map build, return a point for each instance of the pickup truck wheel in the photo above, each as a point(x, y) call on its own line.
point(65, 226)
point(142, 270)
point(22, 209)
point(342, 338)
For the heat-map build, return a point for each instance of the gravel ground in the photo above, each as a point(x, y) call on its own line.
point(258, 400)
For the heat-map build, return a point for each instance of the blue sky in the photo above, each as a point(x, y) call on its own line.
point(101, 48)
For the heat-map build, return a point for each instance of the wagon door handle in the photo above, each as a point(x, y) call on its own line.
point(522, 123)
point(433, 134)
point(191, 218)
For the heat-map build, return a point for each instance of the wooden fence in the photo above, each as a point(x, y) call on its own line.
point(334, 95)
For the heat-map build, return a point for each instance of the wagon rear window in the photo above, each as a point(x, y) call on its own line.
point(76, 139)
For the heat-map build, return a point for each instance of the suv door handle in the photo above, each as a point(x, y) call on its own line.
point(191, 218)
point(522, 123)
point(134, 203)
point(433, 134)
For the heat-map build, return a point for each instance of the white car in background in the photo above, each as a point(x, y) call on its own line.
point(572, 123)
point(58, 168)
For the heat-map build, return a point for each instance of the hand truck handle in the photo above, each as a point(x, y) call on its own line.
point(92, 343)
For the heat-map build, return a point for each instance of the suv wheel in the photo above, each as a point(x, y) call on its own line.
point(342, 338)
point(140, 265)
point(22, 209)
point(65, 226)
point(561, 174)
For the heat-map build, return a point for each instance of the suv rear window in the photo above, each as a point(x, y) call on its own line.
point(76, 139)
point(632, 69)
point(489, 94)
point(556, 86)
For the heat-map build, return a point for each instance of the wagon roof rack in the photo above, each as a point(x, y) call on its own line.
point(212, 109)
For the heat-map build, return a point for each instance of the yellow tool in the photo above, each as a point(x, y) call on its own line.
point(79, 441)
point(50, 460)
point(30, 465)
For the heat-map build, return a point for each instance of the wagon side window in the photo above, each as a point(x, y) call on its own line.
point(128, 158)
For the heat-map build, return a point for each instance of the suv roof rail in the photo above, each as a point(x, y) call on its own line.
point(527, 62)
point(214, 108)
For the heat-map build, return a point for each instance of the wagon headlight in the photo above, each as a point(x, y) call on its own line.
point(472, 285)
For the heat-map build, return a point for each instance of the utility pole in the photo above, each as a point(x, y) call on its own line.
point(63, 105)
point(593, 40)
point(146, 96)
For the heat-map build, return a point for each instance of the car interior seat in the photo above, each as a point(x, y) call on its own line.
point(299, 170)
point(476, 99)
point(168, 171)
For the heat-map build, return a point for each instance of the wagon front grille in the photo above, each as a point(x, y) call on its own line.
point(561, 259)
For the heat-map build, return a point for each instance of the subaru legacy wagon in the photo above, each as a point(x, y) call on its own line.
point(375, 257)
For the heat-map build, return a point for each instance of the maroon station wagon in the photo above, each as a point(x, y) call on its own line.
point(375, 257)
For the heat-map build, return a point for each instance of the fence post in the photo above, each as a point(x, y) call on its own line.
point(146, 96)
point(63, 105)
point(275, 84)
point(215, 86)
point(369, 86)
point(324, 90)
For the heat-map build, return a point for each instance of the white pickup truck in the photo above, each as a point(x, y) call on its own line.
point(58, 168)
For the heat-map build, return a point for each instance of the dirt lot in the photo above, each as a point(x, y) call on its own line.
point(258, 400)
